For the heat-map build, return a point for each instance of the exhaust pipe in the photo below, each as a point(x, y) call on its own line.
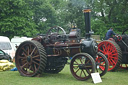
point(87, 23)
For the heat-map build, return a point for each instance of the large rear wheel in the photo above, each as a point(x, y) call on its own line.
point(30, 58)
point(82, 65)
point(113, 53)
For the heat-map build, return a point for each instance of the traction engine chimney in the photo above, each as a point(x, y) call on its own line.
point(87, 23)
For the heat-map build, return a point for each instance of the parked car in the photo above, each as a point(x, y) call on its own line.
point(5, 56)
point(6, 46)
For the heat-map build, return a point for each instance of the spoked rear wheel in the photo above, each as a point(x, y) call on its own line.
point(82, 65)
point(30, 58)
point(124, 66)
point(101, 64)
point(113, 53)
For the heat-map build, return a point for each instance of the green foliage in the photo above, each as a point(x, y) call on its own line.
point(29, 17)
point(44, 15)
point(113, 13)
point(25, 18)
point(16, 18)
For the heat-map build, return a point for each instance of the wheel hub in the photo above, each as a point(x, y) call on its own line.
point(83, 66)
point(29, 59)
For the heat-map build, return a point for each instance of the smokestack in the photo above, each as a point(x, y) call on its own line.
point(87, 22)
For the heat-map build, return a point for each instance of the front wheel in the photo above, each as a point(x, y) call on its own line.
point(101, 64)
point(82, 65)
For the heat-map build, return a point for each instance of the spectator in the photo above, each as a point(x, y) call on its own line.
point(109, 34)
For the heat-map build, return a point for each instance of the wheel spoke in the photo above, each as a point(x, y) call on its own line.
point(102, 67)
point(37, 59)
point(77, 70)
point(30, 47)
point(23, 58)
point(36, 52)
point(37, 56)
point(84, 73)
point(25, 64)
point(111, 63)
point(24, 54)
point(75, 67)
point(81, 61)
point(115, 58)
point(35, 68)
point(114, 62)
point(102, 63)
point(109, 47)
point(101, 50)
point(88, 71)
point(115, 54)
point(81, 73)
point(87, 61)
point(76, 62)
point(28, 50)
point(35, 63)
point(30, 68)
point(24, 51)
point(33, 51)
point(104, 48)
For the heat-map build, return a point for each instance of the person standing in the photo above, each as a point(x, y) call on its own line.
point(109, 34)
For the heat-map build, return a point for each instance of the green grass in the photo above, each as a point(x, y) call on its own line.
point(119, 77)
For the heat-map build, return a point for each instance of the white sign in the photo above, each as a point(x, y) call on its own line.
point(96, 78)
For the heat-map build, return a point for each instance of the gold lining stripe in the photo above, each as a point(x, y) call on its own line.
point(87, 10)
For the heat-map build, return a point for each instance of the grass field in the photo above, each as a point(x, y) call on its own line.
point(119, 77)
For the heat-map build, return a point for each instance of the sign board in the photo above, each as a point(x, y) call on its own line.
point(96, 78)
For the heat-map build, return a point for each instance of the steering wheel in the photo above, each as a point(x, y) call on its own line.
point(53, 33)
point(123, 33)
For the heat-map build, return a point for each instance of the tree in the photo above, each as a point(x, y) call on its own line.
point(16, 18)
point(44, 15)
point(72, 14)
point(112, 13)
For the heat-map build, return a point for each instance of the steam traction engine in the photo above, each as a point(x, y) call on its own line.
point(49, 53)
point(116, 51)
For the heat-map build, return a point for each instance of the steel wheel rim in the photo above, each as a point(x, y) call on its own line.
point(110, 51)
point(27, 59)
point(81, 74)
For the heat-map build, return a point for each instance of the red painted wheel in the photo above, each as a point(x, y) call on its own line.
point(101, 64)
point(82, 65)
point(113, 53)
point(124, 66)
point(30, 58)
